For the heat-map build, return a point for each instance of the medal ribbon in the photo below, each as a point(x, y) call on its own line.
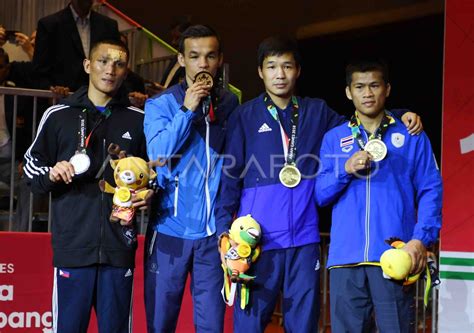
point(354, 124)
point(83, 141)
point(289, 144)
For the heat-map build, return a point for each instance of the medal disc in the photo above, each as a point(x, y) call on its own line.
point(377, 149)
point(204, 77)
point(80, 162)
point(290, 176)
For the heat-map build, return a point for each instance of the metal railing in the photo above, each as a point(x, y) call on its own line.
point(35, 94)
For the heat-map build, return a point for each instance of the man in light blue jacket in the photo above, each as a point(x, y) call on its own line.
point(185, 131)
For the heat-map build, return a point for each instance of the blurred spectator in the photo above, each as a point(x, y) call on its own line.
point(62, 41)
point(5, 123)
point(19, 46)
point(134, 83)
point(174, 73)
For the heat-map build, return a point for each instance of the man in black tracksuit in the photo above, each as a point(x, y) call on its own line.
point(93, 258)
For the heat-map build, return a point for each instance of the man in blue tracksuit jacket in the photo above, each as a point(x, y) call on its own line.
point(375, 200)
point(256, 150)
point(185, 130)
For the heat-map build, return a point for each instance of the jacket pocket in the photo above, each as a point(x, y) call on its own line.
point(176, 194)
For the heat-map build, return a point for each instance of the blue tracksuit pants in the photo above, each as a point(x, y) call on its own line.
point(105, 288)
point(356, 293)
point(295, 273)
point(168, 262)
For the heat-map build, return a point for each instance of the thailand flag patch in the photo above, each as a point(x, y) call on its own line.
point(64, 274)
point(348, 140)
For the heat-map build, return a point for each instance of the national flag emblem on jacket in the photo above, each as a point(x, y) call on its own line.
point(64, 274)
point(348, 140)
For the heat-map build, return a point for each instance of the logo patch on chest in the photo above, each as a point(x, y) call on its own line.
point(264, 128)
point(398, 140)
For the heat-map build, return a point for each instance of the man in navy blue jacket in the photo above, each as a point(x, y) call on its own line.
point(185, 130)
point(272, 149)
point(393, 190)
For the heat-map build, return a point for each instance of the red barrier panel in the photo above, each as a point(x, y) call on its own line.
point(26, 282)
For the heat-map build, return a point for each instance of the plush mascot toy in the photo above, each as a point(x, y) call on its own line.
point(239, 249)
point(396, 265)
point(131, 176)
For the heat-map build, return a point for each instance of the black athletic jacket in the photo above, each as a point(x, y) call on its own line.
point(81, 232)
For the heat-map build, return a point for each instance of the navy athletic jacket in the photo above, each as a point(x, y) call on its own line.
point(254, 157)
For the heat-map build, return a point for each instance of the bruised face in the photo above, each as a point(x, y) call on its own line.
point(368, 91)
point(279, 74)
point(200, 54)
point(107, 69)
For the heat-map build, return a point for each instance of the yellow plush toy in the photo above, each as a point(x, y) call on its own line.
point(131, 176)
point(239, 249)
point(396, 265)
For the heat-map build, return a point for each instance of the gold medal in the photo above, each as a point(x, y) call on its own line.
point(377, 149)
point(290, 176)
point(80, 161)
point(204, 77)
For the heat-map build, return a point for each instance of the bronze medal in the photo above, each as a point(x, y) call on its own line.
point(204, 77)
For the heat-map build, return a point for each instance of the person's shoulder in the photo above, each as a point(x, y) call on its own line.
point(134, 110)
point(250, 105)
point(56, 113)
point(168, 93)
point(56, 17)
point(313, 103)
point(341, 131)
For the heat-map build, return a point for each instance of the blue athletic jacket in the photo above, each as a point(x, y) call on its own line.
point(400, 197)
point(190, 143)
point(254, 157)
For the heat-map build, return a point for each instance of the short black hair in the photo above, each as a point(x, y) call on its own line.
point(114, 42)
point(367, 65)
point(198, 31)
point(276, 46)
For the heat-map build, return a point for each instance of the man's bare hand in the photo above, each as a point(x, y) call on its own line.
point(194, 94)
point(3, 36)
point(359, 161)
point(59, 91)
point(137, 99)
point(140, 203)
point(417, 252)
point(24, 41)
point(413, 123)
point(62, 172)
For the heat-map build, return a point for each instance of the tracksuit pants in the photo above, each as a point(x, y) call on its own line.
point(105, 288)
point(168, 262)
point(295, 273)
point(356, 293)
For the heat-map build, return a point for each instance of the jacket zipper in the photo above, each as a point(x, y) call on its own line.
point(292, 232)
point(208, 169)
point(102, 197)
point(367, 211)
point(254, 195)
point(176, 193)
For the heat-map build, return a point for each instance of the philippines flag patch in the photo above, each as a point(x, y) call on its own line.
point(348, 140)
point(64, 274)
